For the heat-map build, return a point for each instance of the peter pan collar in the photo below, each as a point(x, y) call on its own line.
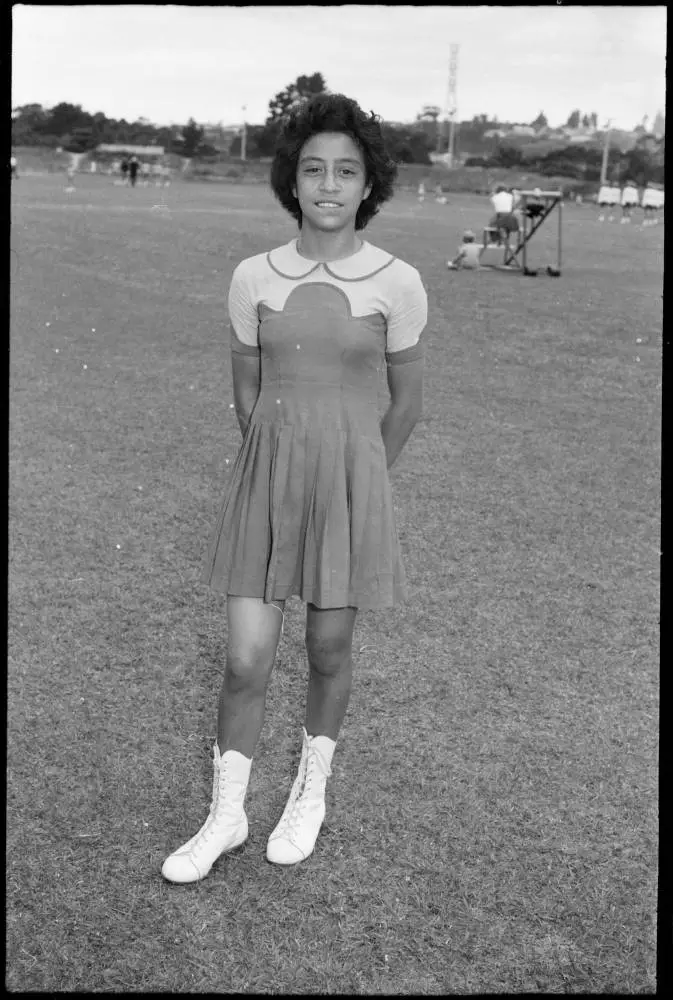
point(364, 263)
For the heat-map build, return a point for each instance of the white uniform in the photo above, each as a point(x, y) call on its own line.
point(503, 202)
point(630, 196)
point(655, 198)
point(607, 196)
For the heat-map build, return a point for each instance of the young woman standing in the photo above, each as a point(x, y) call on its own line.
point(309, 510)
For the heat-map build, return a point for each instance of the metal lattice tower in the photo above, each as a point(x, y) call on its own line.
point(451, 101)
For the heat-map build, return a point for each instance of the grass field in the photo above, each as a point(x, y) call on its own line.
point(492, 818)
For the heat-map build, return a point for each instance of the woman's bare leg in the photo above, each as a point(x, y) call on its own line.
point(329, 640)
point(254, 630)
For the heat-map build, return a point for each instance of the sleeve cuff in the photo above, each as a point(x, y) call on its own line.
point(403, 357)
point(239, 347)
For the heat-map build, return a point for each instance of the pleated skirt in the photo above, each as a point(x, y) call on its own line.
point(308, 509)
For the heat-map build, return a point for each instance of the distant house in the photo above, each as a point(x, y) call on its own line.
point(580, 134)
point(220, 136)
point(494, 133)
point(127, 149)
point(522, 130)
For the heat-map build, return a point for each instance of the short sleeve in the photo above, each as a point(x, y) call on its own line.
point(243, 313)
point(407, 318)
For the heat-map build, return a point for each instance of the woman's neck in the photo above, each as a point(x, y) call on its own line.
point(317, 245)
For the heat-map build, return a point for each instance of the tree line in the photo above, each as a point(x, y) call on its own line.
point(78, 131)
point(642, 163)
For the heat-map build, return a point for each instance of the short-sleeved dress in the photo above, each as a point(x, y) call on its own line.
point(308, 510)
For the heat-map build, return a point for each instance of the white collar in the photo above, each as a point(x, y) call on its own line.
point(364, 263)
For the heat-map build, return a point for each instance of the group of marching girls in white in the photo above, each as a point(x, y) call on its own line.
point(308, 509)
point(610, 197)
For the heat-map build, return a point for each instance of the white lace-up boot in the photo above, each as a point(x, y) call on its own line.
point(297, 831)
point(226, 826)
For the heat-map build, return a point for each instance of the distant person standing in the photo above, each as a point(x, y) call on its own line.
point(630, 200)
point(14, 168)
point(652, 200)
point(504, 220)
point(133, 170)
point(145, 173)
point(125, 170)
point(70, 173)
point(608, 197)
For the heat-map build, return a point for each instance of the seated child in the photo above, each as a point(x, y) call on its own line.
point(469, 254)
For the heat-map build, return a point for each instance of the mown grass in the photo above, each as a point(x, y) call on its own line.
point(491, 819)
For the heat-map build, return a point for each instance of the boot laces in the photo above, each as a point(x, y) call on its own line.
point(220, 809)
point(300, 795)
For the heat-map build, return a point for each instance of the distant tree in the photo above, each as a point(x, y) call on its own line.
point(573, 119)
point(101, 128)
point(166, 136)
point(407, 144)
point(593, 118)
point(32, 115)
point(64, 117)
point(79, 140)
point(192, 138)
point(122, 131)
point(28, 123)
point(302, 89)
point(540, 122)
point(507, 155)
point(586, 121)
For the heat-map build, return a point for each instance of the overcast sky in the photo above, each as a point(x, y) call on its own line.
point(170, 63)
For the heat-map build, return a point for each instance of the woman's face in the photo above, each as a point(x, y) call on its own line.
point(331, 182)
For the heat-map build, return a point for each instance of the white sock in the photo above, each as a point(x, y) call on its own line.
point(239, 764)
point(324, 745)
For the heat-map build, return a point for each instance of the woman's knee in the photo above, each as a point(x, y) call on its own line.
point(254, 630)
point(248, 671)
point(329, 649)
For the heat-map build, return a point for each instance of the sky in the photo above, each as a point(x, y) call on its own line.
point(224, 64)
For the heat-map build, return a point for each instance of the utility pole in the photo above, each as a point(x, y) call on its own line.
point(451, 106)
point(606, 150)
point(244, 134)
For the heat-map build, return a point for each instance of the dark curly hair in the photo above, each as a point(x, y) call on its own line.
point(333, 113)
